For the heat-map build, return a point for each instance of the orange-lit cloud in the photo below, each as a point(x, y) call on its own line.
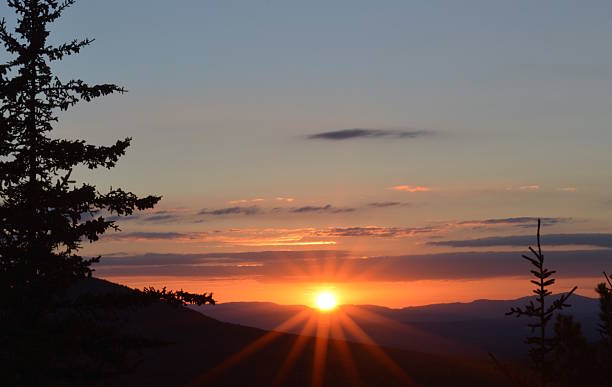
point(232, 237)
point(284, 199)
point(410, 188)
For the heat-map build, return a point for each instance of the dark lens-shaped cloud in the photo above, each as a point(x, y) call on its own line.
point(348, 134)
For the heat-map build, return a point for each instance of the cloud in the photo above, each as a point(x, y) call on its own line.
point(534, 187)
point(245, 201)
point(321, 209)
point(342, 266)
point(410, 188)
point(273, 237)
point(349, 134)
point(592, 240)
point(154, 216)
point(385, 204)
point(159, 218)
point(523, 221)
point(284, 199)
point(252, 210)
point(152, 235)
point(567, 189)
point(230, 237)
point(375, 231)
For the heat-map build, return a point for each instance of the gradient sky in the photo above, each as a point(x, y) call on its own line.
point(477, 117)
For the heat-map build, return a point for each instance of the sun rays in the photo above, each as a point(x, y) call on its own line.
point(317, 331)
point(327, 326)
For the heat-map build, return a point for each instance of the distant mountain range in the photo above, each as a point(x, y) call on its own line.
point(474, 328)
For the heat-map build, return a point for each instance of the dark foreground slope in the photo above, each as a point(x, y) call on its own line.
point(197, 344)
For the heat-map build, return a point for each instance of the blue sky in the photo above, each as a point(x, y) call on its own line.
point(223, 94)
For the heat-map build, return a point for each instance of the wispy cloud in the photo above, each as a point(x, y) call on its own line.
point(232, 237)
point(160, 218)
point(246, 201)
point(375, 231)
point(534, 187)
point(567, 189)
point(522, 221)
point(274, 237)
point(386, 204)
point(321, 209)
point(284, 199)
point(155, 235)
point(252, 210)
point(355, 133)
point(156, 216)
point(410, 188)
point(592, 240)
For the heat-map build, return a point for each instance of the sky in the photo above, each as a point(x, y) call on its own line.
point(351, 136)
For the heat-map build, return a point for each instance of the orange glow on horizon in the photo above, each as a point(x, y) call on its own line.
point(356, 292)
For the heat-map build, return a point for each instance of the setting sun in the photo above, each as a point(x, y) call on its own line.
point(326, 301)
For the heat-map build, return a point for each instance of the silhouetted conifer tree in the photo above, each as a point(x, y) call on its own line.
point(45, 215)
point(541, 311)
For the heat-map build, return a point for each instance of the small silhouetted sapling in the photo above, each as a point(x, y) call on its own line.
point(540, 311)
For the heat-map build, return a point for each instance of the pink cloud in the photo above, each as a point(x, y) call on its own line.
point(410, 188)
point(244, 201)
point(285, 199)
point(239, 201)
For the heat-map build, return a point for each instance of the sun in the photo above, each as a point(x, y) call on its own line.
point(326, 301)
